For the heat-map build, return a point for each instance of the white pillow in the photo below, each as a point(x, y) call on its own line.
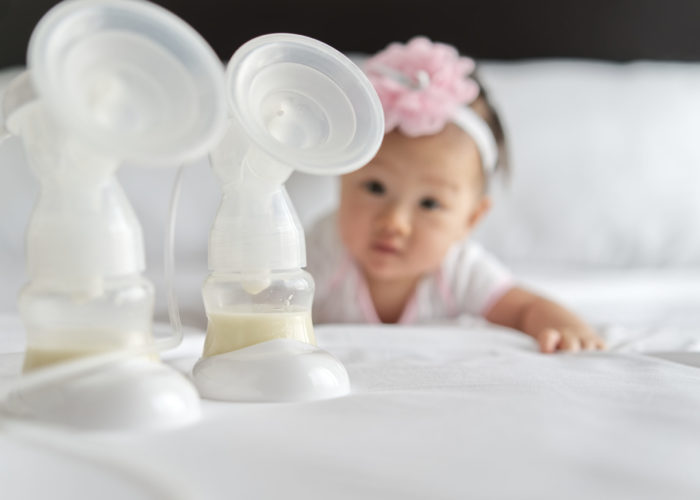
point(605, 161)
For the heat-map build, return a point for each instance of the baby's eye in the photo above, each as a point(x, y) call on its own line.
point(430, 204)
point(375, 187)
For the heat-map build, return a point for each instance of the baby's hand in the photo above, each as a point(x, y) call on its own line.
point(553, 327)
point(569, 339)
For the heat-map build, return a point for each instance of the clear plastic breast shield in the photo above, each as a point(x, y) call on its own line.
point(295, 104)
point(108, 81)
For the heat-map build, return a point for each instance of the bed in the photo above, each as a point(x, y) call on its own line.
point(601, 212)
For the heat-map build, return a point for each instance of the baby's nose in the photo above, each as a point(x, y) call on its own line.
point(395, 219)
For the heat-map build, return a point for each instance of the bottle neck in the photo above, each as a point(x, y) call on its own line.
point(256, 229)
point(78, 237)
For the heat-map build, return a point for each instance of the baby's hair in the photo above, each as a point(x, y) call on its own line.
point(483, 106)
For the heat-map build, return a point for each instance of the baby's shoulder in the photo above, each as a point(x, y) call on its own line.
point(324, 250)
point(473, 277)
point(468, 261)
point(465, 253)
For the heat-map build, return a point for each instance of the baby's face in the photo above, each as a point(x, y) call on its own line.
point(400, 214)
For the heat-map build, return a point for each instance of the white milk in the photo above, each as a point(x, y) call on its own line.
point(76, 344)
point(228, 331)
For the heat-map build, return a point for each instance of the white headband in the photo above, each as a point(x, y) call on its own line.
point(469, 121)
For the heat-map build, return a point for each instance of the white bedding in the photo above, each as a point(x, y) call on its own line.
point(461, 411)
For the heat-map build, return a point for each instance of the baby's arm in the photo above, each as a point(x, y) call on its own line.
point(553, 326)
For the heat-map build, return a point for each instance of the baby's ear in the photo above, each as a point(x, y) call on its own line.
point(481, 208)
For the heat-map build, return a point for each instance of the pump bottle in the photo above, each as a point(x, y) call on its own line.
point(294, 104)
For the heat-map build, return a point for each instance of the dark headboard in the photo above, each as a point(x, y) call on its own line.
point(617, 30)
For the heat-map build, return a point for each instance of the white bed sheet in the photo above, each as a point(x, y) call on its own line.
point(440, 412)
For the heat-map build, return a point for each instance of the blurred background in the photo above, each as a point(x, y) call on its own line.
point(601, 105)
point(618, 30)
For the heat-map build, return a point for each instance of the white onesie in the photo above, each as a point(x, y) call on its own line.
point(469, 281)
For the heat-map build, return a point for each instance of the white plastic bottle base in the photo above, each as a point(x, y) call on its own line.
point(135, 394)
point(280, 370)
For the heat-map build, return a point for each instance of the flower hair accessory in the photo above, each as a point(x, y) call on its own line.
point(424, 85)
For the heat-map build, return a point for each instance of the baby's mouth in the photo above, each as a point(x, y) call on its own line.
point(385, 248)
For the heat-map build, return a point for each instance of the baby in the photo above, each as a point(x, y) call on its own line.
point(398, 248)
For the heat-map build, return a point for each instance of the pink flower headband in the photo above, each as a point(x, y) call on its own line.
point(423, 85)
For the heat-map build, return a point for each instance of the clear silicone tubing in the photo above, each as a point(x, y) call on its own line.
point(169, 268)
point(68, 369)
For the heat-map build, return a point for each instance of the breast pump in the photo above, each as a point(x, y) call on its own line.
point(295, 104)
point(108, 81)
point(122, 80)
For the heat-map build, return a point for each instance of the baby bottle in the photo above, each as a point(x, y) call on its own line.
point(257, 290)
point(84, 245)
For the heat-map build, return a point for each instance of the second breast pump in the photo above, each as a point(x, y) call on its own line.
point(295, 104)
point(108, 81)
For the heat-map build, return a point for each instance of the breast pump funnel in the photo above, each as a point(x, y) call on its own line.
point(108, 81)
point(129, 78)
point(295, 104)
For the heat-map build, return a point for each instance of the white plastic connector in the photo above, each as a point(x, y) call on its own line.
point(296, 104)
